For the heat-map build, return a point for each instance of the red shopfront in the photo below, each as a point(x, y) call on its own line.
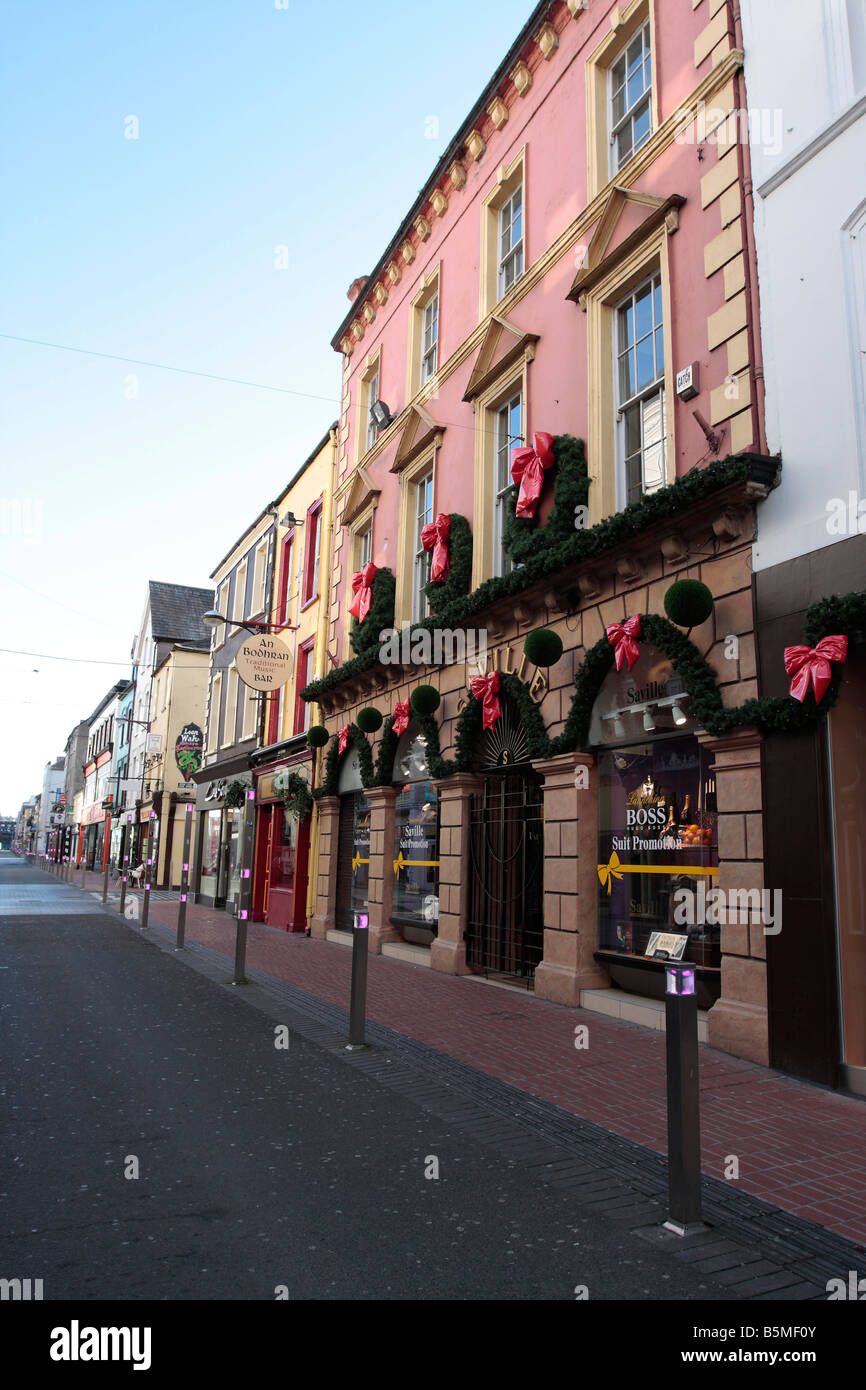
point(282, 852)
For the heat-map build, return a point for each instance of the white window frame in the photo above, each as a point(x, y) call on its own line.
point(364, 546)
point(260, 570)
point(429, 338)
point(230, 729)
point(503, 442)
point(239, 596)
point(630, 113)
point(642, 397)
point(510, 256)
point(213, 723)
point(251, 700)
point(372, 397)
point(422, 515)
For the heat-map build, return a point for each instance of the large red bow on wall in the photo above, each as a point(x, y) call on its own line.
point(622, 637)
point(343, 739)
point(401, 717)
point(435, 537)
point(362, 584)
point(486, 688)
point(527, 469)
point(807, 664)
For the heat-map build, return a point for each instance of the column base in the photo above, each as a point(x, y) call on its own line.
point(740, 1029)
point(320, 925)
point(562, 984)
point(449, 957)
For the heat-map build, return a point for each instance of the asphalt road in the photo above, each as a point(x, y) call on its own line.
point(258, 1167)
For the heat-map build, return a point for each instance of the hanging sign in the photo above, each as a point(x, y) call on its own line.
point(264, 662)
point(189, 750)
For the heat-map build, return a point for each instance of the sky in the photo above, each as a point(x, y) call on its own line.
point(193, 184)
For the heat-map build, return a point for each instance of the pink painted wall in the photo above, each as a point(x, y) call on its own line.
point(550, 122)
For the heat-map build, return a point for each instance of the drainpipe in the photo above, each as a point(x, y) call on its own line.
point(320, 650)
point(750, 256)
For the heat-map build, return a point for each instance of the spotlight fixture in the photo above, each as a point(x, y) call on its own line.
point(618, 727)
point(381, 414)
point(648, 721)
point(679, 716)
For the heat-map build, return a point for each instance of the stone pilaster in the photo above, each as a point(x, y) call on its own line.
point(381, 882)
point(738, 1021)
point(570, 879)
point(448, 951)
point(323, 918)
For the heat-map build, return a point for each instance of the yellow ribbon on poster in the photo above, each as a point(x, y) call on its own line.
point(614, 869)
point(357, 862)
point(401, 863)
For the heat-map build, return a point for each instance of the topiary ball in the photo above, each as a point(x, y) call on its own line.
point(369, 720)
point(543, 647)
point(688, 603)
point(424, 700)
point(317, 736)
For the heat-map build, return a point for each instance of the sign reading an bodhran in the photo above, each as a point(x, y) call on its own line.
point(264, 662)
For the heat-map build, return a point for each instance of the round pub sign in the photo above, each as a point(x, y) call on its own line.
point(264, 662)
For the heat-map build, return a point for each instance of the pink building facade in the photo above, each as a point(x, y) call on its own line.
point(576, 277)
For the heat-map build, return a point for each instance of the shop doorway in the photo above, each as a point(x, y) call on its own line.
point(505, 928)
point(353, 855)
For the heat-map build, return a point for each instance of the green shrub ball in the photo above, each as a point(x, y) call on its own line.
point(424, 700)
point(369, 720)
point(543, 648)
point(688, 603)
point(317, 736)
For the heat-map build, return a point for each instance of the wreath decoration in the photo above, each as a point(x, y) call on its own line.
point(298, 799)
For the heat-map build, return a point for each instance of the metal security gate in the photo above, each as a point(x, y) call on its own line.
point(505, 930)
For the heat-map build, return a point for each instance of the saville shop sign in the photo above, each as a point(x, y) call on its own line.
point(264, 662)
point(502, 659)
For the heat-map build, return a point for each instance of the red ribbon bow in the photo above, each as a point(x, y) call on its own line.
point(434, 537)
point(401, 717)
point(362, 585)
point(622, 638)
point(343, 739)
point(527, 469)
point(486, 688)
point(807, 664)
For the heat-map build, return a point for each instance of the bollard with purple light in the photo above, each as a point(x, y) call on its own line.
point(184, 878)
point(358, 1004)
point(239, 977)
point(684, 1116)
point(147, 873)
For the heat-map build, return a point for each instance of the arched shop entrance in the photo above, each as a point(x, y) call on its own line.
point(415, 897)
point(657, 832)
point(505, 927)
point(353, 855)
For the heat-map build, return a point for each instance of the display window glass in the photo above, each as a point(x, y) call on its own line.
point(210, 851)
point(415, 900)
point(658, 852)
point(360, 853)
point(284, 849)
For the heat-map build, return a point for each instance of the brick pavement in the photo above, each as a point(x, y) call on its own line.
point(799, 1146)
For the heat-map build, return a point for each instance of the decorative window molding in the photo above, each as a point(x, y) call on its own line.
point(619, 274)
point(504, 387)
point(419, 434)
point(626, 22)
point(362, 496)
point(213, 719)
point(230, 722)
point(239, 596)
point(423, 320)
point(503, 344)
point(503, 248)
point(423, 466)
point(598, 261)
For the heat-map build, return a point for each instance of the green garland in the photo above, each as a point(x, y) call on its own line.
point(469, 728)
point(387, 753)
point(522, 536)
point(563, 550)
point(364, 636)
point(331, 770)
point(236, 795)
point(458, 583)
point(298, 799)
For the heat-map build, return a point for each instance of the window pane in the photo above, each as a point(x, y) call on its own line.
point(653, 443)
point(626, 376)
point(645, 363)
point(643, 312)
point(641, 125)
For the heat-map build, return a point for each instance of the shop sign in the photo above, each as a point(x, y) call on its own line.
point(504, 660)
point(264, 662)
point(189, 750)
point(272, 786)
point(216, 790)
point(154, 743)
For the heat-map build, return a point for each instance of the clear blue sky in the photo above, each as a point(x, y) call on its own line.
point(258, 127)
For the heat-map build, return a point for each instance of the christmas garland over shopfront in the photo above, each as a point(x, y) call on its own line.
point(541, 551)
